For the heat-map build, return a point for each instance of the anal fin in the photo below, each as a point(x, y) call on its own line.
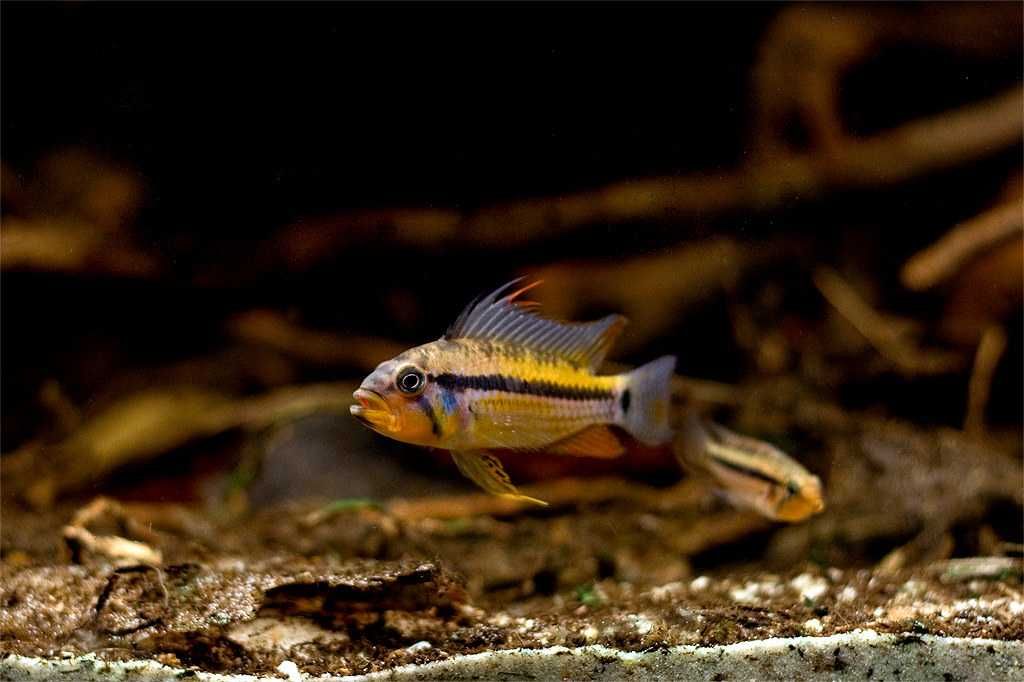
point(593, 441)
point(486, 471)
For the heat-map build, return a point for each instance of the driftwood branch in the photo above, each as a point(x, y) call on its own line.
point(275, 331)
point(121, 550)
point(71, 246)
point(917, 148)
point(892, 337)
point(990, 351)
point(144, 424)
point(946, 257)
point(808, 48)
point(563, 492)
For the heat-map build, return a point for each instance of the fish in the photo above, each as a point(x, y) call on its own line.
point(503, 377)
point(751, 473)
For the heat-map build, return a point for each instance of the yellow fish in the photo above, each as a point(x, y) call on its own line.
point(751, 473)
point(504, 378)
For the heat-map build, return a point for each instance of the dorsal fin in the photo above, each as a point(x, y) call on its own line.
point(499, 317)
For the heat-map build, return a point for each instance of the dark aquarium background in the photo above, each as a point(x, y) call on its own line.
point(218, 217)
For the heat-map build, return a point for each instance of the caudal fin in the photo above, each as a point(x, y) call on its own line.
point(646, 399)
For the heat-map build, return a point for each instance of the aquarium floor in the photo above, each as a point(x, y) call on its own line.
point(245, 601)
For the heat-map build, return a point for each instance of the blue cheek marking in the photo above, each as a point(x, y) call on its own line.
point(448, 402)
point(435, 426)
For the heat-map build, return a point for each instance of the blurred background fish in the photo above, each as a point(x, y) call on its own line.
point(750, 473)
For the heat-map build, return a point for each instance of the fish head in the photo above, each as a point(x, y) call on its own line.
point(786, 492)
point(800, 498)
point(395, 400)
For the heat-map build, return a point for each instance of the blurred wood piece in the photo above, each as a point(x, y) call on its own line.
point(557, 493)
point(808, 49)
point(990, 351)
point(148, 423)
point(120, 550)
point(276, 331)
point(712, 529)
point(989, 290)
point(56, 401)
point(74, 214)
point(935, 543)
point(979, 567)
point(892, 337)
point(911, 150)
point(651, 291)
point(946, 257)
point(67, 246)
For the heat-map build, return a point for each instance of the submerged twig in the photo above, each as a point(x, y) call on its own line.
point(972, 568)
point(120, 550)
point(70, 246)
point(990, 351)
point(654, 292)
point(943, 259)
point(807, 50)
point(942, 141)
point(557, 493)
point(934, 543)
point(890, 336)
point(73, 215)
point(276, 331)
point(988, 290)
point(145, 424)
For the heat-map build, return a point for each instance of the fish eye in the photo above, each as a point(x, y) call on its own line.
point(792, 488)
point(410, 380)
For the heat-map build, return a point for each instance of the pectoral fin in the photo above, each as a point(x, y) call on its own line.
point(486, 471)
point(595, 441)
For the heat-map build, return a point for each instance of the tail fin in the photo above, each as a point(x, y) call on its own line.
point(646, 399)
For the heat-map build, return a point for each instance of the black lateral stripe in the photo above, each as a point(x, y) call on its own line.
point(508, 384)
point(435, 426)
point(739, 468)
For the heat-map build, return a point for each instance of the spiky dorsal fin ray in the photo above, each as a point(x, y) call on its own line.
point(500, 317)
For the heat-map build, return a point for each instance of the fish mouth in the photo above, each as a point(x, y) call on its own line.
point(371, 409)
point(800, 507)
